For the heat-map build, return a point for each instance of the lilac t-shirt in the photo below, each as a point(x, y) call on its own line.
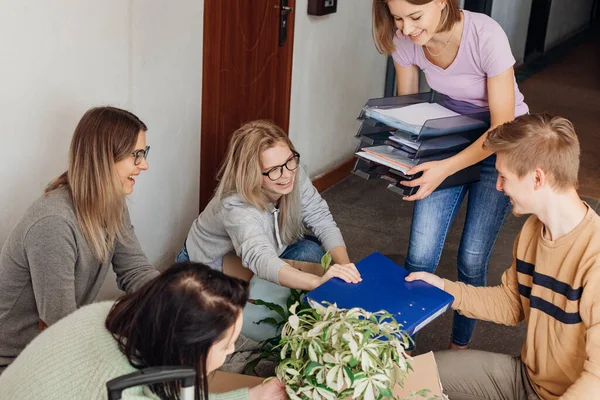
point(484, 52)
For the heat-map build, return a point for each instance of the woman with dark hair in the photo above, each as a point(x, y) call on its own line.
point(466, 56)
point(57, 256)
point(190, 315)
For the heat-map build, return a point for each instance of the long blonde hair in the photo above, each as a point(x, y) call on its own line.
point(104, 136)
point(240, 174)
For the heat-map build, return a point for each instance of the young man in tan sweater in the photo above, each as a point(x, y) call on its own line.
point(553, 282)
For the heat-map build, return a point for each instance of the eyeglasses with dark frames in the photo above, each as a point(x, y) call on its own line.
point(139, 154)
point(291, 165)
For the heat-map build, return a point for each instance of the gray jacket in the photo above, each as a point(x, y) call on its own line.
point(234, 225)
point(48, 271)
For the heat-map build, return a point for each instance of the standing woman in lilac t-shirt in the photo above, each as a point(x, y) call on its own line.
point(466, 56)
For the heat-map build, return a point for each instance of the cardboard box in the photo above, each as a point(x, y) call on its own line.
point(424, 376)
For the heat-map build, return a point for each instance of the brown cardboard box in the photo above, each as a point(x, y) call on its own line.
point(424, 376)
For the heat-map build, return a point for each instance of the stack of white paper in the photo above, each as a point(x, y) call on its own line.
point(409, 118)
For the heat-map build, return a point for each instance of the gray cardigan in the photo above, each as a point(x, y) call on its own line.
point(47, 271)
point(234, 225)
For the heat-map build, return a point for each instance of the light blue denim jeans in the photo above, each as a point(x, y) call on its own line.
point(486, 210)
point(307, 249)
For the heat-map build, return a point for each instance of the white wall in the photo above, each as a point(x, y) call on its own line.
point(336, 69)
point(567, 17)
point(513, 16)
point(61, 58)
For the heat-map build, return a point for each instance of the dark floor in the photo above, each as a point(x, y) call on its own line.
point(565, 82)
point(373, 218)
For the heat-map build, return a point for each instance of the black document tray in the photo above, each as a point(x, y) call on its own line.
point(368, 169)
point(471, 117)
point(448, 144)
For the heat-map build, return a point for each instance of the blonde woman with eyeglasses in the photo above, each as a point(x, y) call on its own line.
point(56, 258)
point(254, 226)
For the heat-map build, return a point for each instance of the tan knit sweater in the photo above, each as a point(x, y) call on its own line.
point(555, 287)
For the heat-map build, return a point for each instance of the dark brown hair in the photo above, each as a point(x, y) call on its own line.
point(539, 141)
point(174, 320)
point(104, 136)
point(384, 27)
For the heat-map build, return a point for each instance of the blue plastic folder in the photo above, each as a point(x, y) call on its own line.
point(413, 304)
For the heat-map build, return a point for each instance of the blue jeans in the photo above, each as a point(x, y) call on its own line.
point(183, 255)
point(308, 249)
point(486, 210)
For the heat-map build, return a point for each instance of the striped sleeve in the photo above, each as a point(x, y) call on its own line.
point(500, 304)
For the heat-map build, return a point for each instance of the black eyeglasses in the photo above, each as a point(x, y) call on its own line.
point(139, 154)
point(277, 172)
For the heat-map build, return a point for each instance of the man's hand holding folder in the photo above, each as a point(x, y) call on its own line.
point(432, 279)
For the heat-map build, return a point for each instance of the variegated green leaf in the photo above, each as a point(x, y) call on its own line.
point(326, 260)
point(359, 387)
point(312, 355)
point(311, 366)
point(294, 321)
point(331, 376)
point(326, 392)
point(370, 392)
point(328, 358)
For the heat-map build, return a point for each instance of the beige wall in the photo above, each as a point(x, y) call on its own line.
point(59, 58)
point(336, 70)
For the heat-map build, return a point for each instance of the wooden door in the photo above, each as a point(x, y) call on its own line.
point(247, 72)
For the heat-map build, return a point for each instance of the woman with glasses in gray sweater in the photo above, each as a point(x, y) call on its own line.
point(254, 227)
point(57, 256)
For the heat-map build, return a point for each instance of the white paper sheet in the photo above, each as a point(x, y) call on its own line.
point(386, 155)
point(416, 114)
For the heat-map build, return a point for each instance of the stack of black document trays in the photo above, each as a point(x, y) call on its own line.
point(398, 133)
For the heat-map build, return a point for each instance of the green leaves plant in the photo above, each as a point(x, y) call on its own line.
point(328, 353)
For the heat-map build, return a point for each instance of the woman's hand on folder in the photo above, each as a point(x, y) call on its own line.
point(434, 173)
point(346, 272)
point(432, 279)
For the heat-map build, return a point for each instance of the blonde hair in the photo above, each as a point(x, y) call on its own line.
point(539, 141)
point(384, 27)
point(104, 136)
point(241, 174)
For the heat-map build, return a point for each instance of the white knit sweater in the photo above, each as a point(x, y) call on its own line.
point(73, 359)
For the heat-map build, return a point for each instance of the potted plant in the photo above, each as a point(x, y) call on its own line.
point(328, 353)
